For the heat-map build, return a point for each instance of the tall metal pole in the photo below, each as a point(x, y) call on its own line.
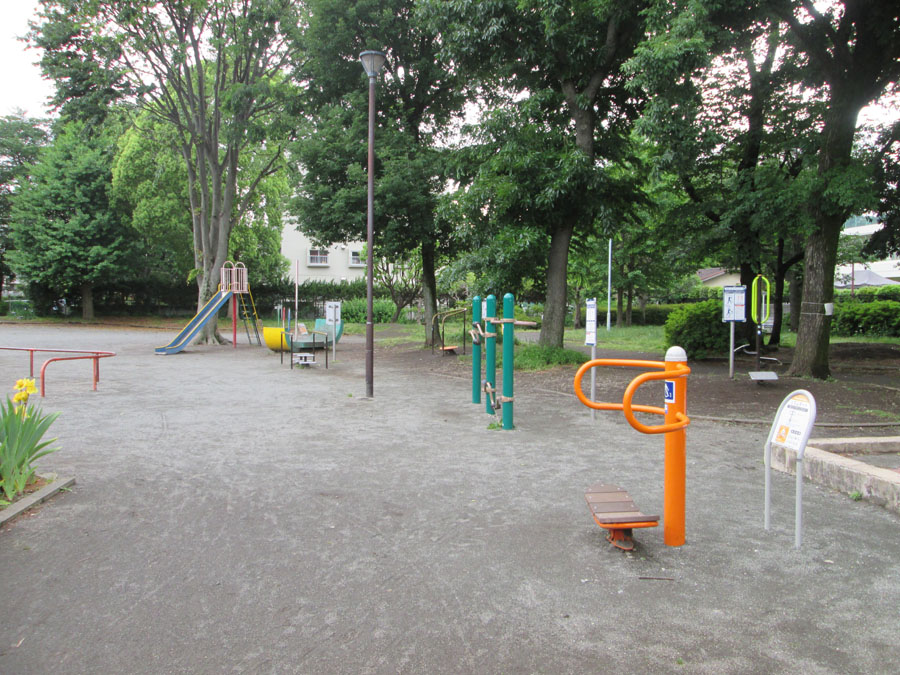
point(609, 287)
point(370, 250)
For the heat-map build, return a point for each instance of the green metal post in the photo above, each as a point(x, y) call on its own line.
point(508, 360)
point(476, 351)
point(490, 350)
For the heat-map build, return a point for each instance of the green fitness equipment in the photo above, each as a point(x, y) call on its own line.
point(488, 336)
point(759, 308)
point(476, 349)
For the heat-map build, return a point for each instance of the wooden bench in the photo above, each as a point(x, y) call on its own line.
point(614, 510)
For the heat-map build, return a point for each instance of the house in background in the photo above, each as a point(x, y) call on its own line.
point(718, 277)
point(336, 263)
point(878, 273)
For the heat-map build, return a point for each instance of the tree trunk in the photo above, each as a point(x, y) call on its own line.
point(620, 314)
point(87, 301)
point(554, 322)
point(795, 292)
point(811, 354)
point(628, 305)
point(576, 318)
point(429, 294)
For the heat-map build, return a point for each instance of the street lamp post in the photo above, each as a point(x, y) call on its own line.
point(372, 63)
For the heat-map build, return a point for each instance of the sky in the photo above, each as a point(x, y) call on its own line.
point(23, 87)
point(20, 80)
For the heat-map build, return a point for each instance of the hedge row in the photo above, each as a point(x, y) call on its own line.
point(868, 294)
point(879, 317)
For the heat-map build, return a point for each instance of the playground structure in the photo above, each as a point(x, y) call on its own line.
point(442, 317)
point(611, 506)
point(233, 285)
point(488, 335)
point(94, 355)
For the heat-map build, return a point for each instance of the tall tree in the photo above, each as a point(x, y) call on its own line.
point(418, 97)
point(733, 127)
point(567, 57)
point(20, 140)
point(66, 235)
point(212, 69)
point(853, 47)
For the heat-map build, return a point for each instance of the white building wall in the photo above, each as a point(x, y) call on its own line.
point(340, 262)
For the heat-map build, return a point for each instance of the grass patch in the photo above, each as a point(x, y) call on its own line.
point(626, 339)
point(539, 357)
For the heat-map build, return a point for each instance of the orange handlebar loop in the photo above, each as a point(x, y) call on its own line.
point(626, 406)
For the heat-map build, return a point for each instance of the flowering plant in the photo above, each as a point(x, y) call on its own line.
point(22, 427)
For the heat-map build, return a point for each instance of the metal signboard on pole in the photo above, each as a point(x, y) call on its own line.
point(590, 339)
point(791, 429)
point(332, 319)
point(734, 309)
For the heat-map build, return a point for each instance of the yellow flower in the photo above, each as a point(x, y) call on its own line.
point(29, 386)
point(20, 397)
point(21, 384)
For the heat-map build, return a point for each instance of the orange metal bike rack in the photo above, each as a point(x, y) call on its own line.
point(674, 370)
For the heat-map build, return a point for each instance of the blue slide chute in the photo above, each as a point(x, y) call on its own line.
point(210, 310)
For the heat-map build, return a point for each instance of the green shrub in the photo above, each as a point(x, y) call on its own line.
point(889, 293)
point(354, 310)
point(699, 329)
point(880, 317)
point(4, 307)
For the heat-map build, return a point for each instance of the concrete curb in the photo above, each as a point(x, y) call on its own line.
point(876, 484)
point(35, 498)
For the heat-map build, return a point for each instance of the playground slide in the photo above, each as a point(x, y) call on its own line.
point(189, 332)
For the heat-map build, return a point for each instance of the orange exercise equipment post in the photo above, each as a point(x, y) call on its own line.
point(674, 371)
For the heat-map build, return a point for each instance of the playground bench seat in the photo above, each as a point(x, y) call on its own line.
point(614, 510)
point(304, 358)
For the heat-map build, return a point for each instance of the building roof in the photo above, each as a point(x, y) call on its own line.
point(711, 273)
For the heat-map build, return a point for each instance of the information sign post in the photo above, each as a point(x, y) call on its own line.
point(590, 339)
point(791, 429)
point(332, 320)
point(734, 309)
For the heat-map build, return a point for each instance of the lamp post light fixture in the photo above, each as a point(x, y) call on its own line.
point(372, 63)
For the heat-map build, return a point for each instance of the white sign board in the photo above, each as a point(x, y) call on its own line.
point(590, 323)
point(794, 421)
point(734, 303)
point(791, 429)
point(332, 313)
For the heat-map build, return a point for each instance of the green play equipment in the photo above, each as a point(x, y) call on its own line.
point(487, 336)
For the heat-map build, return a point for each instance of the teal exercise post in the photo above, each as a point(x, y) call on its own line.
point(488, 334)
point(509, 318)
point(490, 354)
point(476, 349)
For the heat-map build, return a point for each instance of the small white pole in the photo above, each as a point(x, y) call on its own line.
point(731, 353)
point(609, 288)
point(798, 507)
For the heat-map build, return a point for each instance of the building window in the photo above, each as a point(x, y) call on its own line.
point(318, 256)
point(356, 259)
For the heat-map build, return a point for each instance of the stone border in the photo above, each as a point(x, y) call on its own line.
point(42, 495)
point(876, 484)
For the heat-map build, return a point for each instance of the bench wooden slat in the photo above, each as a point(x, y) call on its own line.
point(625, 520)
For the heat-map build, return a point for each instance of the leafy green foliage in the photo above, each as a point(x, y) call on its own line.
point(698, 329)
point(354, 311)
point(66, 234)
point(20, 140)
point(22, 428)
point(880, 317)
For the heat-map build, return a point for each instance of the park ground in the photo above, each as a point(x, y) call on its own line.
point(234, 515)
